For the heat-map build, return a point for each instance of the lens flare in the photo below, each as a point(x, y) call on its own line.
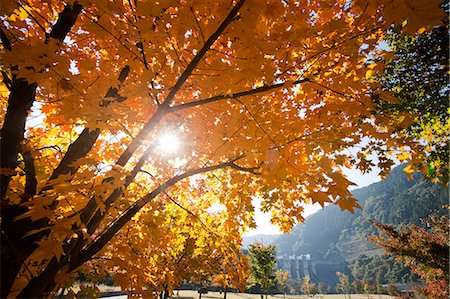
point(169, 143)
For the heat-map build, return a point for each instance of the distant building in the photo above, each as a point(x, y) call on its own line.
point(298, 266)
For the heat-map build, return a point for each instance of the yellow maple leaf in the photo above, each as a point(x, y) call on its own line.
point(403, 156)
point(369, 73)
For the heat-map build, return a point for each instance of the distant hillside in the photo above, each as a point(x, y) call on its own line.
point(262, 238)
point(331, 235)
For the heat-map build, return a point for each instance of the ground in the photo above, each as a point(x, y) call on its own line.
point(215, 295)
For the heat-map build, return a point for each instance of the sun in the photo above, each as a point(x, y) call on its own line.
point(168, 143)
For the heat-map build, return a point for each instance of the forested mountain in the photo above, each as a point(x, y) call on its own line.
point(330, 232)
point(331, 235)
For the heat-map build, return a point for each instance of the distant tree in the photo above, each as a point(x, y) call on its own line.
point(358, 286)
point(343, 286)
point(392, 290)
point(380, 289)
point(282, 277)
point(308, 287)
point(424, 249)
point(380, 269)
point(262, 266)
point(321, 288)
point(293, 286)
point(366, 286)
point(329, 290)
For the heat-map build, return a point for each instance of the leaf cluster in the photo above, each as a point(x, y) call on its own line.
point(262, 265)
point(423, 248)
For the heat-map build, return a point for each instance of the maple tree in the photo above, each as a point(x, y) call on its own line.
point(424, 249)
point(282, 277)
point(264, 96)
point(233, 272)
point(308, 287)
point(343, 286)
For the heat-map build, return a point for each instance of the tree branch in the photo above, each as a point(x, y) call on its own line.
point(34, 19)
point(78, 149)
point(21, 99)
point(179, 205)
point(234, 96)
point(5, 40)
point(199, 56)
point(66, 20)
point(84, 142)
point(93, 223)
point(133, 146)
point(30, 173)
point(117, 224)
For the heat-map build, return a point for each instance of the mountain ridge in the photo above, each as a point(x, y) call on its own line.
point(337, 238)
point(395, 200)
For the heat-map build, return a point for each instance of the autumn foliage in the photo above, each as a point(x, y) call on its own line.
point(267, 98)
point(424, 249)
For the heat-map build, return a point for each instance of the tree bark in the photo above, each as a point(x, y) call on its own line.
point(44, 283)
point(20, 100)
point(14, 247)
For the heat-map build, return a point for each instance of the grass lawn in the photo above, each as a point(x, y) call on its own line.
point(185, 294)
point(215, 295)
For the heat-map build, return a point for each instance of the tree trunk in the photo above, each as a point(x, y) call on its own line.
point(19, 103)
point(43, 285)
point(15, 249)
point(225, 292)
